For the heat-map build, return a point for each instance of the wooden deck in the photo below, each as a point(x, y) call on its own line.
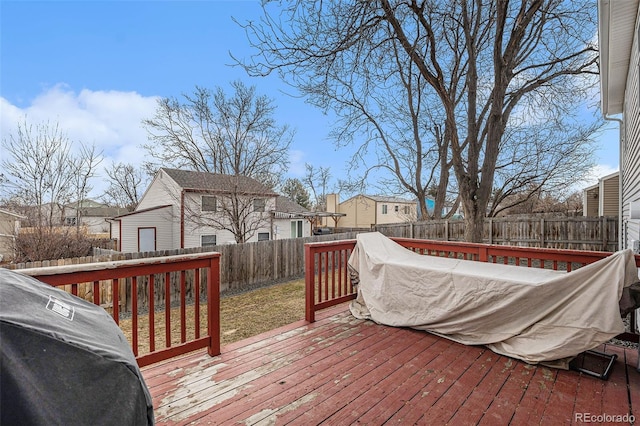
point(340, 371)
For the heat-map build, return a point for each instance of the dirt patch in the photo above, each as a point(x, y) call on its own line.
point(241, 316)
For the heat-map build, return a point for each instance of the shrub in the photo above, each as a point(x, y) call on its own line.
point(51, 243)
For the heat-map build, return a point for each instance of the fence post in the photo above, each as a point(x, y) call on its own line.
point(542, 231)
point(490, 231)
point(446, 230)
point(604, 229)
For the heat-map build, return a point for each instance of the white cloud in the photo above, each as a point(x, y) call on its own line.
point(599, 171)
point(110, 120)
point(297, 163)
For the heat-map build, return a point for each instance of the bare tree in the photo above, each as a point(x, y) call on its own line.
point(43, 173)
point(434, 87)
point(126, 185)
point(212, 132)
point(318, 180)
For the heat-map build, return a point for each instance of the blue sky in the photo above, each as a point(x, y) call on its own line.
point(97, 68)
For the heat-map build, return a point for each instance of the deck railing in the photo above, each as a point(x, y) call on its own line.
point(327, 277)
point(152, 279)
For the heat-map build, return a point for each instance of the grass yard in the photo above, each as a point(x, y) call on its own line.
point(241, 316)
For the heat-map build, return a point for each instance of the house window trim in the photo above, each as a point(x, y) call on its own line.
point(215, 203)
point(257, 208)
point(208, 235)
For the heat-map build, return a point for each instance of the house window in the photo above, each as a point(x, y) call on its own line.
point(263, 236)
point(209, 203)
point(296, 228)
point(259, 204)
point(396, 209)
point(70, 221)
point(207, 240)
point(384, 209)
point(406, 209)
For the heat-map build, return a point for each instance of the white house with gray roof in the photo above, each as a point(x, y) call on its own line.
point(184, 209)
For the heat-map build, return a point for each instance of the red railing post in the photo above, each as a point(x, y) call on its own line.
point(309, 283)
point(213, 306)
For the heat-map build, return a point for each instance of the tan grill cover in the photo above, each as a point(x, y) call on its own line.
point(531, 314)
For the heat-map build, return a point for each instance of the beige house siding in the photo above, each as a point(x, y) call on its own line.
point(363, 211)
point(591, 201)
point(602, 199)
point(609, 202)
point(360, 212)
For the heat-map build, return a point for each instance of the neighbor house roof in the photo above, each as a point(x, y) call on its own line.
point(616, 24)
point(382, 199)
point(12, 214)
point(285, 205)
point(215, 182)
point(140, 211)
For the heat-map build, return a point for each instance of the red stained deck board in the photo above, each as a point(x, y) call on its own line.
point(589, 394)
point(480, 397)
point(430, 381)
point(534, 401)
point(633, 378)
point(232, 364)
point(340, 370)
point(389, 394)
point(293, 382)
point(507, 399)
point(434, 403)
point(560, 406)
point(381, 366)
point(220, 386)
point(340, 375)
point(425, 366)
point(486, 375)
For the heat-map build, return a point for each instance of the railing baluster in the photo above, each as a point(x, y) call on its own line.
point(115, 290)
point(134, 314)
point(183, 307)
point(333, 274)
point(167, 309)
point(96, 293)
point(326, 275)
point(196, 281)
point(152, 311)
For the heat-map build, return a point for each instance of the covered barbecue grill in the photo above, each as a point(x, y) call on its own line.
point(64, 360)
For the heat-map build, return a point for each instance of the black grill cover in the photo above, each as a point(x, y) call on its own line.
point(64, 361)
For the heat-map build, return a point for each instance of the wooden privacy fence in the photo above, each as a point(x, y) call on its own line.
point(242, 266)
point(574, 233)
point(142, 281)
point(254, 264)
